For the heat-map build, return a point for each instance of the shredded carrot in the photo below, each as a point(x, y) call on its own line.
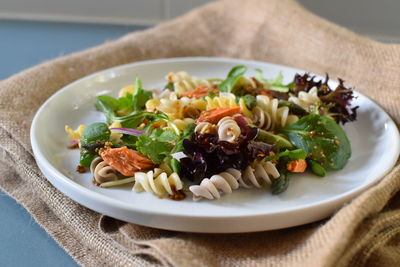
point(200, 92)
point(214, 115)
point(126, 161)
point(299, 165)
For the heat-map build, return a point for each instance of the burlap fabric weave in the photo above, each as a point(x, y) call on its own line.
point(364, 232)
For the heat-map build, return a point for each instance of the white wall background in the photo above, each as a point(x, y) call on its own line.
point(379, 19)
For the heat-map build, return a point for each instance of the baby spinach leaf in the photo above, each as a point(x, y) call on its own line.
point(97, 131)
point(233, 76)
point(321, 138)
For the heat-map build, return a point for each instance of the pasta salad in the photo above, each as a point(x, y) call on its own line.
point(209, 137)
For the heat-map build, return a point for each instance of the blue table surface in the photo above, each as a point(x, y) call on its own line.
point(24, 44)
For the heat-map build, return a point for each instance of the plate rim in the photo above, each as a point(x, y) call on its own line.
point(104, 199)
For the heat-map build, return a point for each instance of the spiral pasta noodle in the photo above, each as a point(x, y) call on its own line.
point(205, 128)
point(224, 100)
point(102, 172)
point(228, 130)
point(157, 182)
point(210, 188)
point(182, 123)
point(268, 116)
point(174, 107)
point(307, 100)
point(261, 172)
point(183, 82)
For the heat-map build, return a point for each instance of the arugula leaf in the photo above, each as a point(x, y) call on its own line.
point(130, 103)
point(233, 76)
point(250, 101)
point(274, 84)
point(108, 105)
point(322, 138)
point(140, 96)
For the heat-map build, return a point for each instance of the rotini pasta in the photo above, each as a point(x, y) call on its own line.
point(210, 188)
point(259, 173)
point(174, 107)
point(268, 116)
point(102, 172)
point(181, 124)
point(74, 134)
point(157, 182)
point(228, 130)
point(205, 128)
point(307, 100)
point(183, 82)
point(224, 100)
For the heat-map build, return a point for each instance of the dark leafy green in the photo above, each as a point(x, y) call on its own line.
point(152, 148)
point(233, 76)
point(322, 139)
point(97, 131)
point(335, 103)
point(130, 103)
point(93, 137)
point(280, 184)
point(140, 96)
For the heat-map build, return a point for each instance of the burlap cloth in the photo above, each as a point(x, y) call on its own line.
point(364, 232)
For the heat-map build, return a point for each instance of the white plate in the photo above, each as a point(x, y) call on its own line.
point(374, 140)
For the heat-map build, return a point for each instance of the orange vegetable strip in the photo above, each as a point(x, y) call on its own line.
point(214, 115)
